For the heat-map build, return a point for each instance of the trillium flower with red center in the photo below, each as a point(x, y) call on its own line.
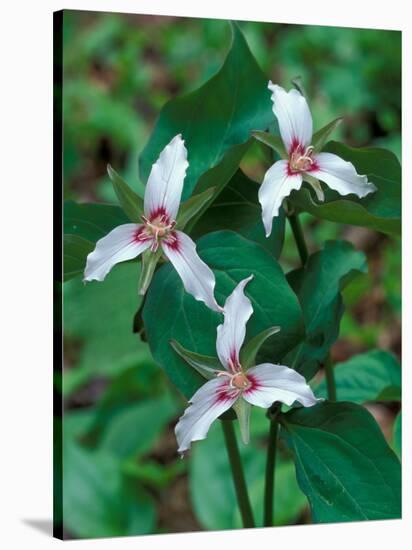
point(233, 384)
point(303, 162)
point(157, 230)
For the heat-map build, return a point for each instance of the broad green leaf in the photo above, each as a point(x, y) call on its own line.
point(191, 208)
point(204, 364)
point(77, 422)
point(274, 142)
point(370, 376)
point(171, 313)
point(155, 474)
point(397, 435)
point(343, 463)
point(250, 350)
point(126, 389)
point(318, 287)
point(75, 251)
point(98, 321)
point(320, 137)
point(237, 208)
point(215, 120)
point(380, 210)
point(130, 201)
point(91, 221)
point(96, 500)
point(211, 485)
point(134, 430)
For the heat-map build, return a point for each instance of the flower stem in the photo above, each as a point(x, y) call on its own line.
point(330, 378)
point(299, 237)
point(270, 469)
point(238, 474)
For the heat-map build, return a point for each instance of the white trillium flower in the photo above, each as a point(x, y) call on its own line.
point(261, 385)
point(295, 125)
point(161, 204)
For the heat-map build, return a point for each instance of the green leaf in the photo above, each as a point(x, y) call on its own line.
point(318, 287)
point(127, 388)
point(215, 120)
point(274, 142)
point(155, 474)
point(371, 376)
point(171, 313)
point(212, 491)
point(204, 364)
point(75, 251)
point(133, 431)
point(98, 327)
point(91, 221)
point(343, 463)
point(321, 136)
point(97, 502)
point(130, 201)
point(397, 435)
point(237, 209)
point(191, 208)
point(380, 210)
point(250, 350)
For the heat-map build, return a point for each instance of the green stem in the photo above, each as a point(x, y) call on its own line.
point(270, 472)
point(330, 378)
point(299, 237)
point(238, 474)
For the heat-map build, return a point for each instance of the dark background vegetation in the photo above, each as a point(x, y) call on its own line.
point(122, 474)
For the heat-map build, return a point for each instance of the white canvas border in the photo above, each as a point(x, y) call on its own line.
point(26, 274)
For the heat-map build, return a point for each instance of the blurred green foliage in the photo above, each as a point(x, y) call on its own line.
point(121, 472)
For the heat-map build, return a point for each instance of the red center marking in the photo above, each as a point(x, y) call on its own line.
point(173, 242)
point(254, 384)
point(159, 214)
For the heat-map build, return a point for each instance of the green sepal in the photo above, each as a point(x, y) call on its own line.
point(249, 352)
point(274, 142)
point(298, 84)
point(149, 263)
point(204, 364)
point(242, 409)
point(193, 206)
point(130, 201)
point(321, 136)
point(316, 186)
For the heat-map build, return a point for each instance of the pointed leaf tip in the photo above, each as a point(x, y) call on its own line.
point(204, 364)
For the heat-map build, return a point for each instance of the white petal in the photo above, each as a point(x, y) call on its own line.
point(208, 403)
point(165, 183)
point(341, 175)
point(294, 118)
point(198, 279)
point(124, 242)
point(277, 184)
point(277, 383)
point(231, 334)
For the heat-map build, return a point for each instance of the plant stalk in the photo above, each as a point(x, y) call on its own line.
point(237, 474)
point(330, 378)
point(270, 472)
point(299, 237)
